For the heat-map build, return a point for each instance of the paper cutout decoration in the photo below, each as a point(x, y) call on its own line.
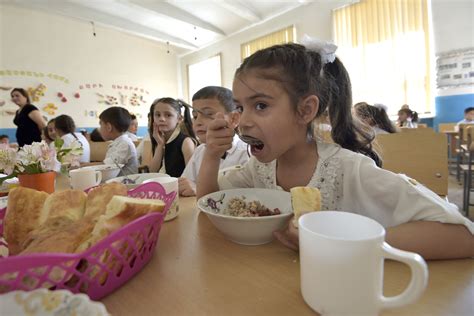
point(50, 108)
point(107, 99)
point(2, 103)
point(8, 112)
point(90, 86)
point(5, 88)
point(77, 95)
point(136, 100)
point(36, 93)
point(91, 113)
point(123, 99)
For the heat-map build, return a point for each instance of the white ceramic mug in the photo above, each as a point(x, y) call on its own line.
point(84, 178)
point(342, 256)
point(170, 184)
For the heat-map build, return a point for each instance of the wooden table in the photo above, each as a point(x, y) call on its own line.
point(195, 271)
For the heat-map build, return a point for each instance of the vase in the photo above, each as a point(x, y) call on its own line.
point(38, 181)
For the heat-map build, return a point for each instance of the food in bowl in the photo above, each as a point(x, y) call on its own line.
point(239, 207)
point(134, 180)
point(254, 230)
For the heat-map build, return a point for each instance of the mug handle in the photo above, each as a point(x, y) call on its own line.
point(419, 276)
point(98, 177)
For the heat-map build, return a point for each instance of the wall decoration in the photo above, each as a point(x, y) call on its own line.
point(5, 88)
point(123, 99)
point(136, 100)
point(91, 113)
point(37, 93)
point(26, 73)
point(90, 86)
point(107, 99)
point(77, 95)
point(2, 103)
point(455, 68)
point(50, 108)
point(7, 112)
point(130, 88)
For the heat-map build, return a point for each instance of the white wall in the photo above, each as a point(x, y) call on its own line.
point(314, 19)
point(453, 24)
point(34, 41)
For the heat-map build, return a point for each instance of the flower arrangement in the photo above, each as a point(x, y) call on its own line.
point(38, 158)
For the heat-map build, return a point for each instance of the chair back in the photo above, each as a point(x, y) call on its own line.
point(422, 125)
point(147, 153)
point(446, 127)
point(421, 156)
point(99, 150)
point(417, 130)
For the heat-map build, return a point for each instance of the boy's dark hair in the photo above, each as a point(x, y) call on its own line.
point(377, 116)
point(223, 95)
point(4, 136)
point(469, 109)
point(23, 92)
point(95, 136)
point(118, 117)
point(301, 73)
point(176, 104)
point(133, 117)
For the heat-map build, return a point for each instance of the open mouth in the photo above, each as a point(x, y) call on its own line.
point(256, 145)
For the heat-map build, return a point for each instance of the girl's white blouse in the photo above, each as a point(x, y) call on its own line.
point(351, 182)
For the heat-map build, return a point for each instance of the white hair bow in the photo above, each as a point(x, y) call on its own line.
point(327, 50)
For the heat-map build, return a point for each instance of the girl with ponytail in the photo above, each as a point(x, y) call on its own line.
point(173, 140)
point(279, 92)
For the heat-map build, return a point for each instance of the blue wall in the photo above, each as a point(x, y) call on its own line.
point(142, 131)
point(450, 109)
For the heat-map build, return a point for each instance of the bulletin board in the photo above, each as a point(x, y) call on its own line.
point(455, 69)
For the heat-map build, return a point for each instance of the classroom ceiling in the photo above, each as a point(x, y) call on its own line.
point(188, 24)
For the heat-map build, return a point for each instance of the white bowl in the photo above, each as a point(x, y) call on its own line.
point(108, 171)
point(248, 230)
point(138, 178)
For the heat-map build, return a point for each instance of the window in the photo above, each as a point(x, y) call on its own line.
point(204, 73)
point(283, 36)
point(385, 47)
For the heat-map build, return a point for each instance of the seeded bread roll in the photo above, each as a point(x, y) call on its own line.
point(304, 200)
point(24, 214)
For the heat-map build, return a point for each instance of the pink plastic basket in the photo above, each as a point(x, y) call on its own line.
point(97, 271)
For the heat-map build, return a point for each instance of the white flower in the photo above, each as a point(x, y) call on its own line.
point(7, 159)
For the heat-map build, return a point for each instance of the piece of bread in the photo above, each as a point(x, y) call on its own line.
point(304, 200)
point(120, 211)
point(24, 214)
point(98, 198)
point(69, 203)
point(58, 235)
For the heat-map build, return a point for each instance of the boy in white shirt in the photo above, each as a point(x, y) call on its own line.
point(206, 103)
point(114, 123)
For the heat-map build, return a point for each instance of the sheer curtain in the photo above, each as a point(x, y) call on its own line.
point(283, 36)
point(385, 45)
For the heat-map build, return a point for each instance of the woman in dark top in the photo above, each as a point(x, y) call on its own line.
point(28, 118)
point(172, 144)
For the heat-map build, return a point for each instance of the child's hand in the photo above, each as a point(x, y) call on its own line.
point(220, 134)
point(288, 236)
point(158, 136)
point(185, 187)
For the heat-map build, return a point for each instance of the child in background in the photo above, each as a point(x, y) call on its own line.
point(172, 145)
point(66, 130)
point(206, 103)
point(51, 130)
point(114, 123)
point(468, 116)
point(407, 118)
point(375, 117)
point(280, 91)
point(132, 129)
point(4, 139)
